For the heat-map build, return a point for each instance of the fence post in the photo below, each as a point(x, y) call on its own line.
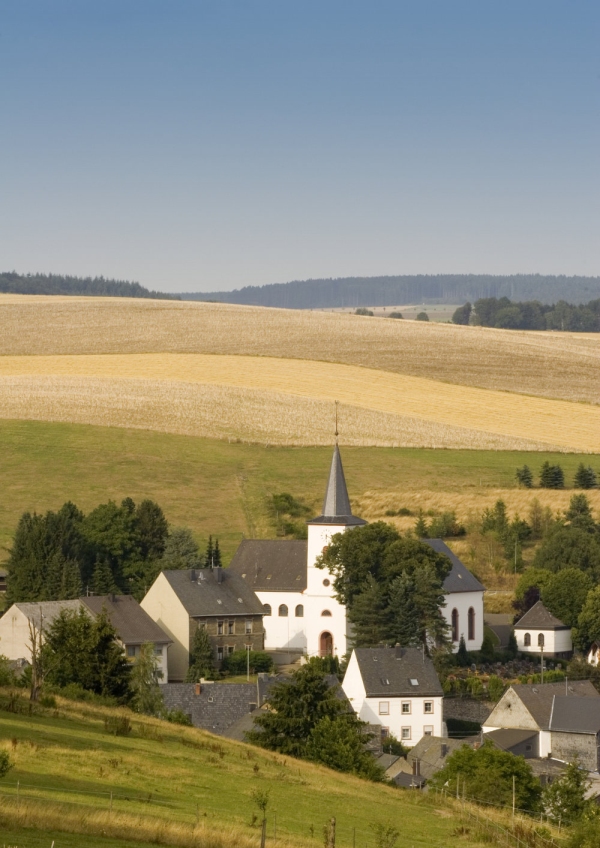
point(18, 782)
point(111, 802)
point(263, 835)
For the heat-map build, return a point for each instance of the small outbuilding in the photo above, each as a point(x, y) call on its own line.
point(539, 632)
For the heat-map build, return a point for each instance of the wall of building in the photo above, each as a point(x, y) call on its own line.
point(234, 636)
point(556, 642)
point(467, 709)
point(510, 713)
point(319, 595)
point(284, 632)
point(14, 635)
point(462, 602)
point(164, 607)
point(567, 746)
point(132, 652)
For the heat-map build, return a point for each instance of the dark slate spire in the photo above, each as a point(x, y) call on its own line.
point(336, 506)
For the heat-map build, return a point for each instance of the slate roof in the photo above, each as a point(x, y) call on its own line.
point(501, 625)
point(47, 611)
point(133, 624)
point(575, 715)
point(389, 671)
point(538, 698)
point(217, 706)
point(272, 565)
point(460, 578)
point(432, 753)
point(409, 781)
point(507, 738)
point(538, 617)
point(202, 594)
point(336, 504)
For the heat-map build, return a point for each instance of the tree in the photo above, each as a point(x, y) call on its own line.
point(339, 744)
point(565, 592)
point(422, 316)
point(463, 657)
point(201, 657)
point(585, 477)
point(238, 662)
point(588, 623)
point(363, 311)
point(210, 553)
point(569, 547)
point(462, 315)
point(146, 696)
point(487, 651)
point(103, 581)
point(217, 563)
point(5, 763)
point(421, 528)
point(564, 799)
point(579, 514)
point(552, 476)
point(110, 668)
point(296, 707)
point(512, 649)
point(486, 775)
point(181, 550)
point(152, 529)
point(524, 477)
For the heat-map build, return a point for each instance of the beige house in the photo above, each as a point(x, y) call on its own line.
point(220, 601)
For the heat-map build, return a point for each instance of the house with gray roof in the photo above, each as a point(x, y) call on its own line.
point(219, 600)
point(539, 632)
point(398, 689)
point(575, 730)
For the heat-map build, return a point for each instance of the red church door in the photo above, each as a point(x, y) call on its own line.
point(326, 644)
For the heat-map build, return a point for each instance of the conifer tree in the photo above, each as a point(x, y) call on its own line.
point(201, 657)
point(102, 579)
point(585, 477)
point(421, 529)
point(552, 476)
point(524, 477)
point(463, 657)
point(110, 666)
point(217, 555)
point(210, 553)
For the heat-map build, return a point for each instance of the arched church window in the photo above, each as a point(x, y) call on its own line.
point(527, 640)
point(455, 625)
point(541, 640)
point(299, 611)
point(471, 622)
point(267, 609)
point(283, 610)
point(326, 582)
point(325, 612)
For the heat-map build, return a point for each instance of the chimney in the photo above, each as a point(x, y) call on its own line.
point(193, 575)
point(443, 749)
point(219, 574)
point(197, 689)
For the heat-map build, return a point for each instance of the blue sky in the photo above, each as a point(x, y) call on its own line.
point(211, 145)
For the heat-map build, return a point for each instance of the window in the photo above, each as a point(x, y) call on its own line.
point(219, 653)
point(527, 640)
point(248, 626)
point(405, 707)
point(428, 707)
point(230, 628)
point(455, 636)
point(230, 649)
point(384, 708)
point(326, 612)
point(219, 628)
point(541, 640)
point(405, 734)
point(299, 611)
point(528, 747)
point(471, 623)
point(131, 650)
point(283, 610)
point(158, 652)
point(385, 732)
point(428, 730)
point(268, 610)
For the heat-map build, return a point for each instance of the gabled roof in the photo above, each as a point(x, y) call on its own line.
point(336, 505)
point(538, 698)
point(575, 715)
point(433, 752)
point(46, 611)
point(213, 592)
point(538, 617)
point(133, 624)
point(397, 672)
point(272, 565)
point(460, 578)
point(507, 738)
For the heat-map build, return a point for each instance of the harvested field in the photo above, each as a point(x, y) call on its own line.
point(99, 389)
point(555, 365)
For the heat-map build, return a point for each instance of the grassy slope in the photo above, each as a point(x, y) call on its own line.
point(212, 486)
point(172, 774)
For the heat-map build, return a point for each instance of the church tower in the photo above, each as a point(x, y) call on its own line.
point(327, 630)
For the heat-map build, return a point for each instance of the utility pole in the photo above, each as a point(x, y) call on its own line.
point(513, 797)
point(248, 663)
point(542, 660)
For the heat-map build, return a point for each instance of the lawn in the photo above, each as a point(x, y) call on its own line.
point(215, 487)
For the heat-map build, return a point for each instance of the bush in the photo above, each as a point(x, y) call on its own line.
point(236, 663)
point(445, 525)
point(177, 717)
point(495, 688)
point(404, 510)
point(5, 763)
point(118, 725)
point(395, 315)
point(422, 316)
point(48, 701)
point(362, 311)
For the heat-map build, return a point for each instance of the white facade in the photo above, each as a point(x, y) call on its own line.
point(531, 640)
point(408, 717)
point(165, 608)
point(464, 615)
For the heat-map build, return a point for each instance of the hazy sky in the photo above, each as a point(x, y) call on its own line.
point(211, 145)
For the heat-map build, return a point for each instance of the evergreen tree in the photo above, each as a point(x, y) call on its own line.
point(564, 799)
point(339, 744)
point(585, 477)
point(146, 696)
point(421, 528)
point(217, 555)
point(367, 615)
point(463, 657)
point(152, 529)
point(512, 648)
point(524, 477)
point(579, 513)
point(111, 669)
point(552, 476)
point(103, 582)
point(210, 553)
point(70, 582)
point(201, 657)
point(487, 650)
point(181, 551)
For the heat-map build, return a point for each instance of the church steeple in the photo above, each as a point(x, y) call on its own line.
point(336, 505)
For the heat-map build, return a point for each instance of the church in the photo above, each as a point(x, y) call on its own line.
point(301, 613)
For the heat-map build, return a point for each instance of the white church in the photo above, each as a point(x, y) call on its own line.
point(301, 613)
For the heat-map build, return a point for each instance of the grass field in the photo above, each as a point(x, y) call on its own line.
point(181, 786)
point(215, 487)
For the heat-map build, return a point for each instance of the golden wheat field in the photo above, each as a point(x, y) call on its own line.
point(271, 375)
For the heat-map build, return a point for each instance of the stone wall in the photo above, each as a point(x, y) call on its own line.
point(467, 709)
point(567, 746)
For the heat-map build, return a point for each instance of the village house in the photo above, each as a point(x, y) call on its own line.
point(301, 613)
point(539, 632)
point(398, 689)
point(134, 627)
point(180, 601)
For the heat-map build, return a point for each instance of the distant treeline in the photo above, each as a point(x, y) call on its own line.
point(531, 315)
point(13, 283)
point(390, 291)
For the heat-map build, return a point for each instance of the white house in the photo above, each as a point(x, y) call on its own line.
point(133, 626)
point(397, 688)
point(539, 631)
point(301, 613)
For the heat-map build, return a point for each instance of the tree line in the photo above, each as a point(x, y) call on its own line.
point(13, 283)
point(117, 548)
point(505, 314)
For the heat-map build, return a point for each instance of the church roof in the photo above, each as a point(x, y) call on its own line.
point(272, 565)
point(538, 617)
point(460, 578)
point(336, 505)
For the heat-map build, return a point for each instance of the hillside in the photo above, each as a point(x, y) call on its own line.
point(421, 288)
point(270, 376)
point(167, 784)
point(60, 284)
